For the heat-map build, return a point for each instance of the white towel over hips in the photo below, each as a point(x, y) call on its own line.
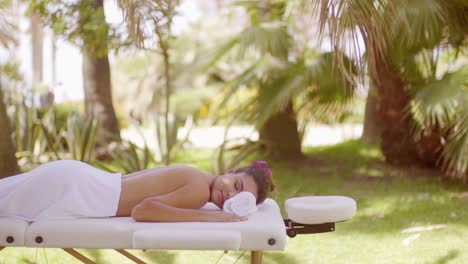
point(62, 189)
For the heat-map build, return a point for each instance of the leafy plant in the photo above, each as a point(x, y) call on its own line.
point(279, 71)
point(422, 98)
point(158, 18)
point(128, 157)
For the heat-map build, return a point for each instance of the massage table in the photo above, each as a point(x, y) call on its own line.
point(265, 230)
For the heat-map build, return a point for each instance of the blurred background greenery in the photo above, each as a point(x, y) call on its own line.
point(264, 79)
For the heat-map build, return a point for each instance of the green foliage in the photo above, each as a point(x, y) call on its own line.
point(268, 38)
point(7, 27)
point(444, 103)
point(422, 40)
point(42, 134)
point(275, 75)
point(127, 157)
point(80, 22)
point(168, 144)
point(147, 19)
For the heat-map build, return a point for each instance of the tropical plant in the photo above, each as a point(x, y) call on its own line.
point(150, 24)
point(128, 157)
point(285, 77)
point(42, 134)
point(83, 24)
point(421, 98)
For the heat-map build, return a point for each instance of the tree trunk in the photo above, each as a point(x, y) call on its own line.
point(372, 123)
point(8, 164)
point(280, 137)
point(98, 97)
point(98, 90)
point(36, 43)
point(398, 144)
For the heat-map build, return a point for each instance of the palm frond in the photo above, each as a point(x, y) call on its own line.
point(268, 38)
point(321, 81)
point(455, 153)
point(444, 103)
point(147, 19)
point(349, 20)
point(441, 102)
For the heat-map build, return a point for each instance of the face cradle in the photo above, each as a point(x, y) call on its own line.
point(228, 185)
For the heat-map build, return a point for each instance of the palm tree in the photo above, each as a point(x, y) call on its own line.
point(96, 72)
point(279, 80)
point(83, 23)
point(421, 104)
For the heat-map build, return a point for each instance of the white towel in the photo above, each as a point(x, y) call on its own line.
point(242, 204)
point(63, 189)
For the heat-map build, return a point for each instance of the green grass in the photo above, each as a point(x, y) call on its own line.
point(390, 200)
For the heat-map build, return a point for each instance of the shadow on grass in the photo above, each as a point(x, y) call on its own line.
point(161, 256)
point(348, 151)
point(95, 255)
point(451, 255)
point(389, 199)
point(279, 257)
point(397, 219)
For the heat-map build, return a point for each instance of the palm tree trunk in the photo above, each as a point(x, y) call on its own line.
point(398, 144)
point(98, 97)
point(280, 136)
point(8, 164)
point(372, 123)
point(98, 92)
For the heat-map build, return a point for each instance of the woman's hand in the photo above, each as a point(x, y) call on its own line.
point(221, 216)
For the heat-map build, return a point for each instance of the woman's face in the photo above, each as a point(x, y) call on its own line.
point(227, 185)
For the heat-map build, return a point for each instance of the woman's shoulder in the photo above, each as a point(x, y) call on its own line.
point(187, 169)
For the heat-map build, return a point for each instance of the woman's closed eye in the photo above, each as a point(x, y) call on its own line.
point(238, 186)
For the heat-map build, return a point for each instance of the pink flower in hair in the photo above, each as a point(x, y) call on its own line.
point(263, 165)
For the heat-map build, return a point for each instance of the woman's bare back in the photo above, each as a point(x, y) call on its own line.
point(156, 182)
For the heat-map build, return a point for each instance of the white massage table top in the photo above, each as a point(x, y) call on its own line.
point(264, 230)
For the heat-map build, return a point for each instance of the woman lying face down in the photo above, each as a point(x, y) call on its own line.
point(67, 189)
point(176, 193)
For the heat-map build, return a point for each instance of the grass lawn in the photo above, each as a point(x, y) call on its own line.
point(404, 215)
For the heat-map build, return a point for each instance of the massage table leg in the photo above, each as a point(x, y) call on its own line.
point(130, 256)
point(79, 256)
point(256, 257)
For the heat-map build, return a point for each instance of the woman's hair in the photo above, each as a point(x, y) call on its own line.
point(262, 177)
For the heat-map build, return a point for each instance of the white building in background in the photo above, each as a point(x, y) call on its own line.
point(68, 83)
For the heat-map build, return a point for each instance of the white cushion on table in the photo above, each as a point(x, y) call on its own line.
point(188, 239)
point(320, 209)
point(14, 228)
point(118, 232)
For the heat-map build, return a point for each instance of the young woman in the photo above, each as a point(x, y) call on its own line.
point(67, 189)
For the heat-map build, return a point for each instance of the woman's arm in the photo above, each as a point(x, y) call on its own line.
point(181, 205)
